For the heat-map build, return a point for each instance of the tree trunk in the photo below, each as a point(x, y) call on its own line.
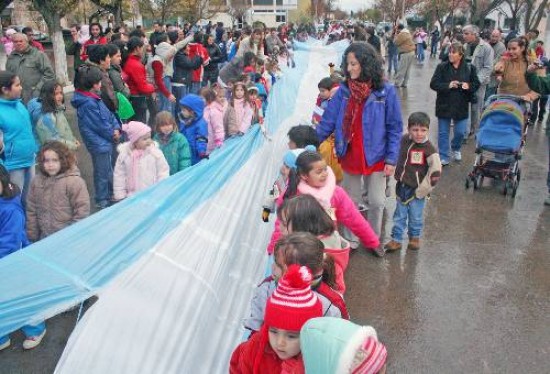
point(59, 54)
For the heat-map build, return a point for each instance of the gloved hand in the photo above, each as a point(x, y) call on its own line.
point(265, 214)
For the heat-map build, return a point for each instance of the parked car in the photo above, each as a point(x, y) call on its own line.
point(36, 35)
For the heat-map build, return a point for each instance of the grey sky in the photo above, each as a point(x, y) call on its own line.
point(355, 4)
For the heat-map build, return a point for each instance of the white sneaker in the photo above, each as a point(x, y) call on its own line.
point(5, 345)
point(457, 155)
point(33, 341)
point(444, 162)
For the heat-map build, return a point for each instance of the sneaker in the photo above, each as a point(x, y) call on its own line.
point(33, 341)
point(457, 155)
point(101, 205)
point(547, 201)
point(5, 345)
point(444, 162)
point(414, 244)
point(379, 251)
point(392, 245)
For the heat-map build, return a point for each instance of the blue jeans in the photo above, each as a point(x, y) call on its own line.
point(392, 62)
point(163, 103)
point(443, 136)
point(103, 177)
point(28, 330)
point(23, 178)
point(411, 216)
point(420, 52)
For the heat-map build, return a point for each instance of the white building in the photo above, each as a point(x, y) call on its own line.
point(270, 12)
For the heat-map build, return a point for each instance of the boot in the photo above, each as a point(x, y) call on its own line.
point(414, 244)
point(392, 245)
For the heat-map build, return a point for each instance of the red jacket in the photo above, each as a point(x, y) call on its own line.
point(196, 49)
point(244, 356)
point(84, 53)
point(37, 45)
point(158, 70)
point(137, 78)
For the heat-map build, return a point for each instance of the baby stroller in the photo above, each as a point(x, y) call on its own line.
point(500, 141)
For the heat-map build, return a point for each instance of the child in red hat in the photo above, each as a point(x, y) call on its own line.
point(276, 347)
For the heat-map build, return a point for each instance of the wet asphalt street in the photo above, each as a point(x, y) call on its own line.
point(474, 299)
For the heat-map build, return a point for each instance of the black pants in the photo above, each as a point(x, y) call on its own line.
point(538, 109)
point(139, 103)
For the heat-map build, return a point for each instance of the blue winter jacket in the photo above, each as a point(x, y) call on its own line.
point(195, 129)
point(382, 124)
point(95, 122)
point(12, 226)
point(19, 142)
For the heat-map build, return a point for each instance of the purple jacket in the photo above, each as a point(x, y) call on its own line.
point(382, 124)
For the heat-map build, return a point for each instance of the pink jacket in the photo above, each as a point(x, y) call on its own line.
point(339, 249)
point(341, 208)
point(213, 114)
point(134, 173)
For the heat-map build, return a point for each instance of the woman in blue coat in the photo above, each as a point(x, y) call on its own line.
point(12, 239)
point(15, 123)
point(365, 116)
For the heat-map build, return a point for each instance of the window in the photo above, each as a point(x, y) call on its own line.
point(280, 18)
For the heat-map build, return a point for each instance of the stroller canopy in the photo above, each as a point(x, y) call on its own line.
point(501, 127)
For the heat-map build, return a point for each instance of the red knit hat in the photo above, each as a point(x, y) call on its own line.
point(293, 303)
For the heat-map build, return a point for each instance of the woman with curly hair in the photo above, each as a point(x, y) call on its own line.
point(365, 116)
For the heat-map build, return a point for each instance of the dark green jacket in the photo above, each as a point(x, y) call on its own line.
point(33, 69)
point(540, 85)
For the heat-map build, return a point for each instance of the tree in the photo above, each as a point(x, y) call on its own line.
point(4, 4)
point(516, 7)
point(395, 9)
point(115, 7)
point(438, 10)
point(53, 11)
point(479, 9)
point(534, 13)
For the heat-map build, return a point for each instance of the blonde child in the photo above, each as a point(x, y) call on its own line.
point(58, 196)
point(48, 115)
point(312, 176)
point(172, 143)
point(216, 105)
point(140, 163)
point(238, 116)
point(299, 248)
point(276, 347)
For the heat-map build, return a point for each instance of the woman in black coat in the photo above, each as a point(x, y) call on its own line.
point(211, 70)
point(455, 82)
point(183, 71)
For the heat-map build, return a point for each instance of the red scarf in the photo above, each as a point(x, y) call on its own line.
point(360, 91)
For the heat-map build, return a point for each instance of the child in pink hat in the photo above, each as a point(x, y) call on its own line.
point(140, 162)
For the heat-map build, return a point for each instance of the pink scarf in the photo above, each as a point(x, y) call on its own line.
point(322, 194)
point(137, 154)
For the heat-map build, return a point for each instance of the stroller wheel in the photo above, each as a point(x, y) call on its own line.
point(467, 183)
point(518, 175)
point(505, 188)
point(515, 185)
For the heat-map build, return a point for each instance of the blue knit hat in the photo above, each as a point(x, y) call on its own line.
point(290, 157)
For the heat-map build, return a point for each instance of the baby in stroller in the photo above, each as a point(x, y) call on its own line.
point(500, 142)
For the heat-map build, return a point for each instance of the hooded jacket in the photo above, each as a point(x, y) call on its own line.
point(107, 88)
point(195, 129)
point(404, 42)
point(95, 122)
point(12, 226)
point(382, 124)
point(19, 142)
point(33, 69)
point(56, 202)
point(213, 114)
point(115, 73)
point(160, 64)
point(329, 345)
point(216, 57)
point(51, 126)
point(130, 178)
